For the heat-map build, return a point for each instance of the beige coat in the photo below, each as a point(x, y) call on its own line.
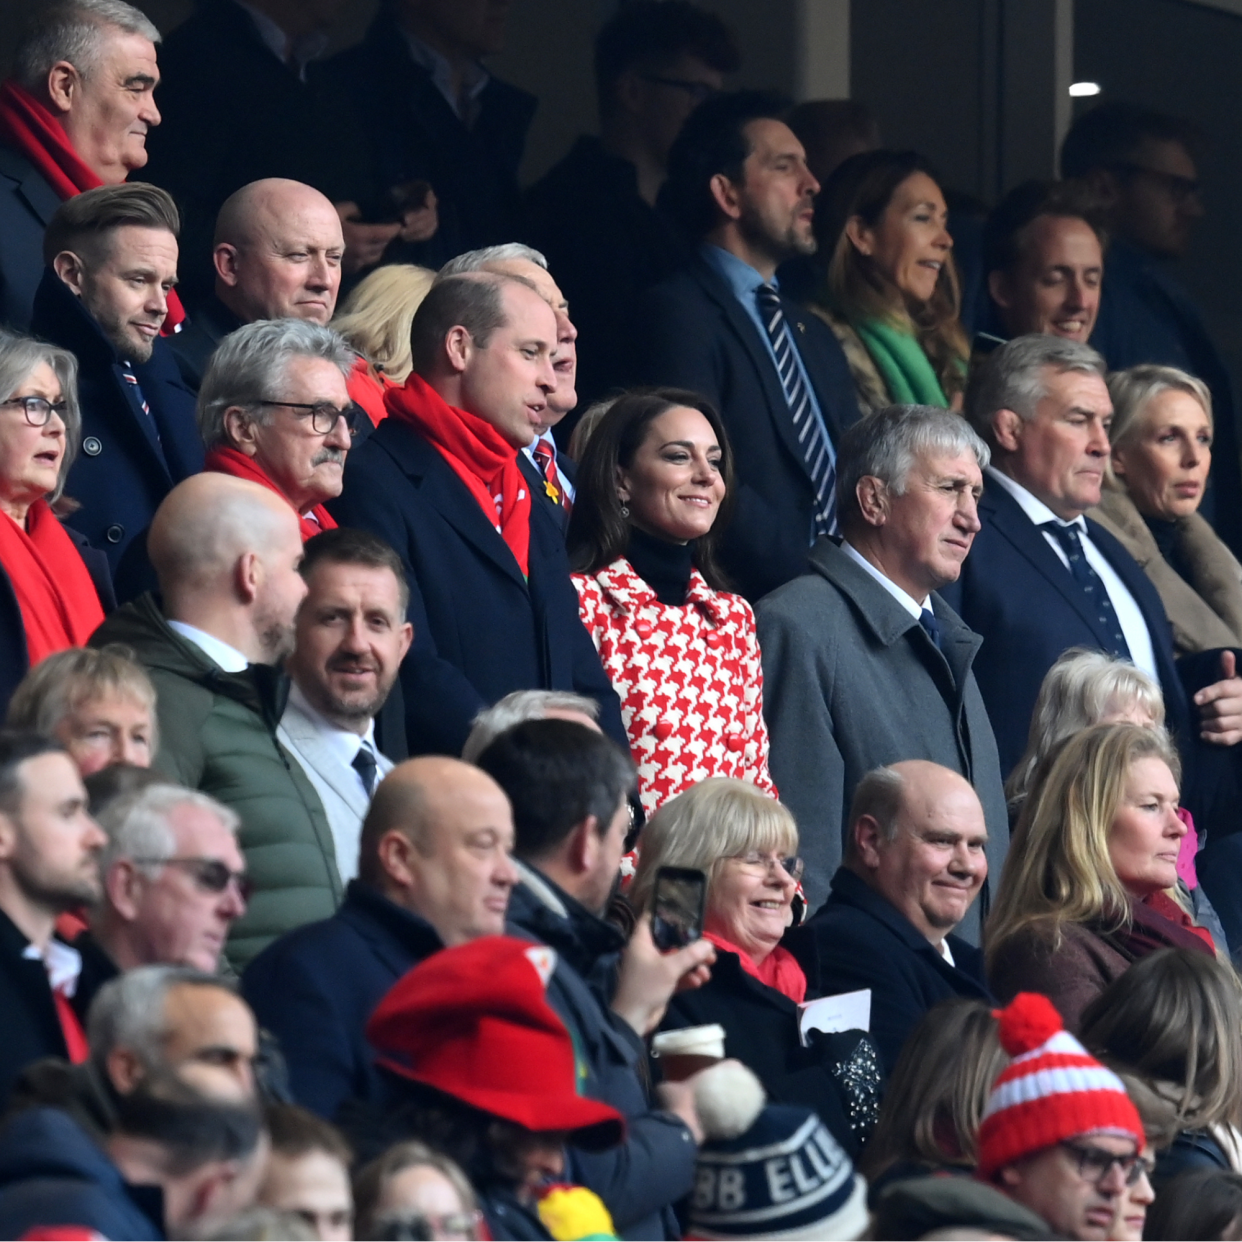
point(868, 383)
point(1205, 612)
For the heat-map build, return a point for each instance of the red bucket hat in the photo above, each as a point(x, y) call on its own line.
point(474, 1022)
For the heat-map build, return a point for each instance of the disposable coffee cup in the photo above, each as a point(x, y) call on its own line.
point(685, 1052)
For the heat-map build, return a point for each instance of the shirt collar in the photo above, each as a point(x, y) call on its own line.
point(546, 437)
point(1031, 505)
point(62, 962)
point(476, 77)
point(301, 50)
point(740, 276)
point(345, 742)
point(215, 649)
point(907, 601)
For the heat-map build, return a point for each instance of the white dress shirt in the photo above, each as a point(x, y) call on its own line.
point(1129, 614)
point(215, 649)
point(908, 602)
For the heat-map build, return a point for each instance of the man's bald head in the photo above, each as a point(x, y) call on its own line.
point(278, 250)
point(437, 841)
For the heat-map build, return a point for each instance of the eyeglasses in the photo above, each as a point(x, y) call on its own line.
point(323, 415)
point(759, 864)
point(1095, 1164)
point(427, 1225)
point(38, 409)
point(210, 874)
point(1179, 189)
point(698, 91)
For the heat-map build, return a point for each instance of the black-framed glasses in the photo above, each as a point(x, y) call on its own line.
point(210, 874)
point(1180, 189)
point(323, 415)
point(762, 864)
point(1094, 1164)
point(698, 91)
point(38, 410)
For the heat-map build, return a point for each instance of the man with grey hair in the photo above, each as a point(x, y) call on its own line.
point(863, 663)
point(226, 552)
point(1043, 578)
point(174, 882)
point(274, 408)
point(524, 705)
point(915, 860)
point(550, 473)
point(74, 115)
point(491, 600)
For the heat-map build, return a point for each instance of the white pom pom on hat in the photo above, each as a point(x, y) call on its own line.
point(728, 1099)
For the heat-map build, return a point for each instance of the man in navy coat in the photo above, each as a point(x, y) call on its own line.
point(111, 257)
point(438, 480)
point(915, 862)
point(739, 185)
point(1042, 578)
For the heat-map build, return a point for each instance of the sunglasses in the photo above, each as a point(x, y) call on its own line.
point(209, 874)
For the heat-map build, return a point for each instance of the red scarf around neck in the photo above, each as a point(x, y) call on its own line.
point(232, 461)
point(779, 970)
point(59, 603)
point(29, 127)
point(480, 456)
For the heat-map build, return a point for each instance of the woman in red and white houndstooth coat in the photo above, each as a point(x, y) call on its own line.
point(682, 654)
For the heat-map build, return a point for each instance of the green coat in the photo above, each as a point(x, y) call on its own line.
point(218, 734)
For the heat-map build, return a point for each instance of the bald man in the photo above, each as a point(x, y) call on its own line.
point(914, 863)
point(434, 870)
point(277, 255)
point(226, 553)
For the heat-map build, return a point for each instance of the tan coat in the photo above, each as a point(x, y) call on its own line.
point(1205, 612)
point(868, 382)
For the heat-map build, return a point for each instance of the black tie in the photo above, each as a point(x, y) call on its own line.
point(816, 452)
point(364, 764)
point(1092, 585)
point(927, 619)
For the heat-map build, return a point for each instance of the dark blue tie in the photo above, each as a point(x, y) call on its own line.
point(364, 764)
point(1092, 585)
point(816, 452)
point(927, 619)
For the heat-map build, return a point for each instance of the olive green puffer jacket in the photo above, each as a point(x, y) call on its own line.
point(218, 734)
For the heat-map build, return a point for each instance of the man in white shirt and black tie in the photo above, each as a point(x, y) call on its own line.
point(351, 637)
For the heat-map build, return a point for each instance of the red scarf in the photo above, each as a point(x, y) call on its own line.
point(1161, 904)
point(368, 390)
point(481, 457)
point(27, 126)
point(232, 461)
point(59, 603)
point(779, 970)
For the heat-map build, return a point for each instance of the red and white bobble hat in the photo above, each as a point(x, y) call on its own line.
point(1051, 1091)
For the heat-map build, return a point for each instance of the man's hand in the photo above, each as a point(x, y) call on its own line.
point(420, 223)
point(1220, 705)
point(364, 243)
point(648, 978)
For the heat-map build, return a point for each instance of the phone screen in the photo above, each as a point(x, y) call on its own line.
point(677, 910)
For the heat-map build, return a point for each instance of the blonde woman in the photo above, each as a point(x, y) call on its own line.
point(1161, 454)
point(746, 843)
point(1084, 889)
point(375, 320)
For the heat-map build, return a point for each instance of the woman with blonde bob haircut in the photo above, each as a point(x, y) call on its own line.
point(745, 843)
point(1084, 889)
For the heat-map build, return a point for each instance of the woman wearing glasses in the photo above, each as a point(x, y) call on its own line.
point(746, 844)
point(53, 587)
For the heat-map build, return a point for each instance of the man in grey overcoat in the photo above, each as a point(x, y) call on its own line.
point(863, 664)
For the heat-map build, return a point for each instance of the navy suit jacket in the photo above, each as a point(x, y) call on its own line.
point(863, 941)
point(127, 461)
point(481, 629)
point(316, 987)
point(692, 332)
point(1015, 591)
point(27, 204)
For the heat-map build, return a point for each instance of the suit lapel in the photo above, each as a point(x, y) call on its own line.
point(324, 762)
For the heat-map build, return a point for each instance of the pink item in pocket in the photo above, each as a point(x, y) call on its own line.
point(1189, 848)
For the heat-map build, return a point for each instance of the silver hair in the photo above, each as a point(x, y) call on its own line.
point(19, 355)
point(73, 31)
point(137, 824)
point(1014, 377)
point(250, 365)
point(481, 260)
point(1078, 691)
point(516, 709)
point(879, 794)
point(129, 1011)
point(717, 819)
point(1134, 387)
point(888, 443)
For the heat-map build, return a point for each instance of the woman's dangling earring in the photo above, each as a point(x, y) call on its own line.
point(625, 511)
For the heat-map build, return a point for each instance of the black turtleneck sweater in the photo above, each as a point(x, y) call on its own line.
point(664, 566)
point(1167, 534)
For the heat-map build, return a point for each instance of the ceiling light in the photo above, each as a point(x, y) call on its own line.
point(1081, 89)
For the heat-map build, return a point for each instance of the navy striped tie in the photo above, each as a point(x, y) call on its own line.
point(816, 452)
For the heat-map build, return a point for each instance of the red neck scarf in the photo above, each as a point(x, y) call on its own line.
point(232, 461)
point(779, 970)
point(59, 603)
point(32, 129)
point(480, 456)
